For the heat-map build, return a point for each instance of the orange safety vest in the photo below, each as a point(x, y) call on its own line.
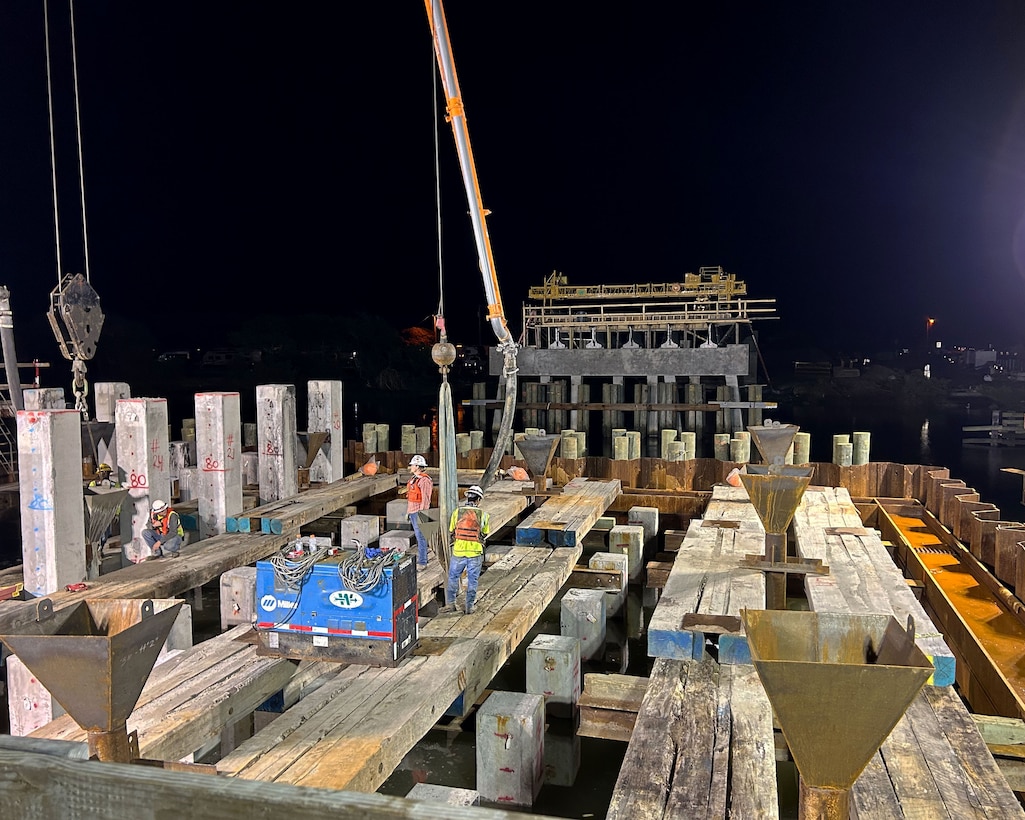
point(161, 524)
point(415, 494)
point(468, 524)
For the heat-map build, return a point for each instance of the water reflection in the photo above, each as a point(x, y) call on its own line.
point(925, 446)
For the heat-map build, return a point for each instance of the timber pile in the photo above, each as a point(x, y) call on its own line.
point(709, 582)
point(564, 520)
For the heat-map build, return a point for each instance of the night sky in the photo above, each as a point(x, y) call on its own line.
point(863, 164)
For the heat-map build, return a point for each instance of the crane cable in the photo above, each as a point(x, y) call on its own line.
point(79, 383)
point(53, 140)
point(448, 490)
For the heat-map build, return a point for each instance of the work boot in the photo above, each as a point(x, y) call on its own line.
point(448, 608)
point(470, 609)
point(154, 556)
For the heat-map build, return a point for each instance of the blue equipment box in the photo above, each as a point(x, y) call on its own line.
point(325, 620)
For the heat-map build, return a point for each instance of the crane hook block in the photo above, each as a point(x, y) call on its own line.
point(75, 317)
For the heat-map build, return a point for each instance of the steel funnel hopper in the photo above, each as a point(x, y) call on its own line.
point(775, 497)
point(830, 675)
point(538, 452)
point(100, 506)
point(773, 440)
point(95, 657)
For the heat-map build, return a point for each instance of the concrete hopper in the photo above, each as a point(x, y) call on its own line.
point(101, 505)
point(538, 451)
point(830, 675)
point(94, 658)
point(775, 497)
point(773, 440)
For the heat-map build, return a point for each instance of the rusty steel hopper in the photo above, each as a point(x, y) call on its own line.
point(838, 684)
point(775, 491)
point(94, 658)
point(538, 451)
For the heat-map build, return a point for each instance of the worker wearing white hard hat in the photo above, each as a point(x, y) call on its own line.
point(418, 490)
point(470, 525)
point(165, 533)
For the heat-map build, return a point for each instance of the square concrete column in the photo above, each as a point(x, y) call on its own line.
point(363, 528)
point(553, 671)
point(628, 539)
point(276, 432)
point(218, 459)
point(582, 616)
point(106, 397)
point(613, 561)
point(510, 748)
point(647, 519)
point(143, 453)
point(44, 398)
point(52, 505)
point(324, 415)
point(30, 704)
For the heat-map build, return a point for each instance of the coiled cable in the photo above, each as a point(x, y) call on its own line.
point(359, 572)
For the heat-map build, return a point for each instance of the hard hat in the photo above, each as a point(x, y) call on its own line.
point(418, 461)
point(159, 506)
point(103, 468)
point(475, 491)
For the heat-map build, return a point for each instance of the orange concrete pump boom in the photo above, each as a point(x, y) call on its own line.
point(496, 314)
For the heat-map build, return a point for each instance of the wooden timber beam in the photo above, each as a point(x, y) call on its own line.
point(41, 785)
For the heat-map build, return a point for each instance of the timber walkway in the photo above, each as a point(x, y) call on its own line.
point(697, 707)
point(343, 726)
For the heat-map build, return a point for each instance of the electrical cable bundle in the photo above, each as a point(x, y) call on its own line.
point(359, 572)
point(292, 572)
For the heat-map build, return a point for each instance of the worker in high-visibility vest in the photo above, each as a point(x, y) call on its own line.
point(469, 525)
point(418, 491)
point(165, 533)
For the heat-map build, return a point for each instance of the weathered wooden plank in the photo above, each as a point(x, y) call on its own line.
point(610, 691)
point(361, 751)
point(751, 758)
point(605, 724)
point(909, 770)
point(862, 578)
point(955, 790)
point(586, 578)
point(40, 787)
point(642, 787)
point(268, 752)
point(691, 792)
point(314, 503)
point(711, 581)
point(986, 785)
point(565, 519)
point(872, 796)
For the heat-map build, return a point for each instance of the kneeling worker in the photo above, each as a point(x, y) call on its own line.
point(470, 525)
point(165, 532)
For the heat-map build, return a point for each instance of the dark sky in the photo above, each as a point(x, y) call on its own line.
point(861, 163)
